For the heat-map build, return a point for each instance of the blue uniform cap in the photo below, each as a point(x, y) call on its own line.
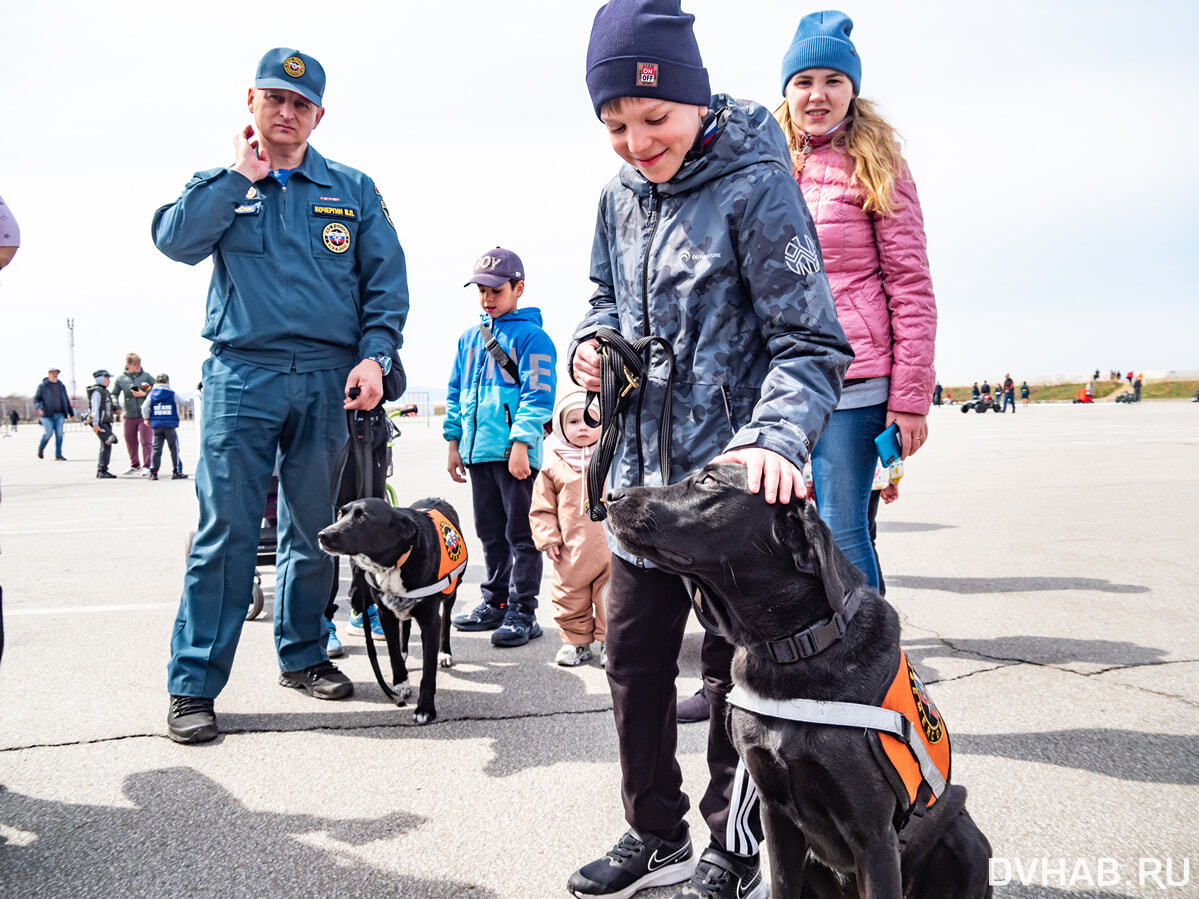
point(291, 70)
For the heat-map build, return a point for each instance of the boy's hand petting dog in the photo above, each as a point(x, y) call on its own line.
point(775, 475)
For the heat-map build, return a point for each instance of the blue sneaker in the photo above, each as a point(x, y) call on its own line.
point(517, 630)
point(356, 623)
point(333, 647)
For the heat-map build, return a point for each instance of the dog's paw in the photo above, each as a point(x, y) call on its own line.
point(424, 716)
point(445, 660)
point(403, 691)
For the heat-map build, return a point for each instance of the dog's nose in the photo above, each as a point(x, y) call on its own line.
point(615, 496)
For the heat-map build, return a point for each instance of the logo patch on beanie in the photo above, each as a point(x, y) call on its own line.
point(647, 74)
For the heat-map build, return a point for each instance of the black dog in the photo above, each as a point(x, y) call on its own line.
point(403, 551)
point(834, 818)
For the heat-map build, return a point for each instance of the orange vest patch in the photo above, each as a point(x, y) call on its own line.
point(907, 695)
point(453, 549)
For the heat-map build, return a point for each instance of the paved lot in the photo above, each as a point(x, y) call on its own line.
point(1042, 564)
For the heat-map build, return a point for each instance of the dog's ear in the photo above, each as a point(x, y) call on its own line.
point(812, 548)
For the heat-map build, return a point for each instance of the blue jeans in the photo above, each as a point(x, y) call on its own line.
point(843, 464)
point(52, 424)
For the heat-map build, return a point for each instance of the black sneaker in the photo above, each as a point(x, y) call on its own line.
point(517, 630)
point(693, 708)
point(483, 617)
point(178, 476)
point(722, 875)
point(153, 475)
point(41, 452)
point(60, 458)
point(191, 720)
point(635, 863)
point(105, 474)
point(321, 681)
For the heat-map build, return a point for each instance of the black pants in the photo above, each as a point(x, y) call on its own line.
point(106, 443)
point(501, 505)
point(647, 614)
point(170, 437)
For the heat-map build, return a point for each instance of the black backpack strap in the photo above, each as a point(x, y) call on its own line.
point(497, 353)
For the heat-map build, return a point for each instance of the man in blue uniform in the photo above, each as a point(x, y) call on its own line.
point(307, 300)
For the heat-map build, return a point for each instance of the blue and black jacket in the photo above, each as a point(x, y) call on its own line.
point(485, 409)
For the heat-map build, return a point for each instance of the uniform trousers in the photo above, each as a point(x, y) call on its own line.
point(647, 614)
point(253, 419)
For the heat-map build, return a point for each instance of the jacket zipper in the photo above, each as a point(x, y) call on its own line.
point(654, 209)
point(728, 406)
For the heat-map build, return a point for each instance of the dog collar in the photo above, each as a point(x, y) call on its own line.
point(812, 639)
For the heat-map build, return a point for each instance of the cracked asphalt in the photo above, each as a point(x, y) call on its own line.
point(1042, 564)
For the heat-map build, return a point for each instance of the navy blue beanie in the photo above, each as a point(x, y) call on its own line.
point(645, 48)
point(822, 42)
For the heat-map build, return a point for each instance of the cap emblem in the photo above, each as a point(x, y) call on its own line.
point(647, 74)
point(293, 66)
point(336, 237)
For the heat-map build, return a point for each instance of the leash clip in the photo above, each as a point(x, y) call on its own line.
point(632, 384)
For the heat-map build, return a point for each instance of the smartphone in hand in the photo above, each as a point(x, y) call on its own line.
point(888, 446)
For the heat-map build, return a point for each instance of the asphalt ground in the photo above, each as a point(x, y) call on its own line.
point(1042, 564)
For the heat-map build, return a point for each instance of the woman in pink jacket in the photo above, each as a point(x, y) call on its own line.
point(860, 193)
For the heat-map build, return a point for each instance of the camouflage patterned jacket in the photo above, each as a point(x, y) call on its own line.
point(722, 261)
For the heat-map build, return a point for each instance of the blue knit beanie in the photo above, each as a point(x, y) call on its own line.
point(645, 48)
point(822, 42)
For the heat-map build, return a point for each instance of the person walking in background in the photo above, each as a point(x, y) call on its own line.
point(134, 384)
point(500, 395)
point(1136, 388)
point(857, 185)
point(564, 531)
point(307, 303)
point(1009, 393)
point(14, 419)
point(937, 394)
point(1025, 392)
point(53, 406)
point(161, 411)
point(100, 417)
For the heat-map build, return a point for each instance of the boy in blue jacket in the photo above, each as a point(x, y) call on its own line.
point(162, 413)
point(501, 394)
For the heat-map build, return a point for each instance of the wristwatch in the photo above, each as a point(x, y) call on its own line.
point(383, 361)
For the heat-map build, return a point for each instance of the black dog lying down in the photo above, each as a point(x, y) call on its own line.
point(413, 558)
point(839, 821)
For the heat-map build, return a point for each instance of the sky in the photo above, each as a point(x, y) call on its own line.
point(1052, 143)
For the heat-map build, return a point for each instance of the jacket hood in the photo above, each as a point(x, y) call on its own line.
point(733, 135)
point(529, 314)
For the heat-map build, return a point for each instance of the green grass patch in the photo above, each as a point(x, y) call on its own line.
point(1049, 393)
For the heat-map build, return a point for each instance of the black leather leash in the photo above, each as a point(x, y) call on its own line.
point(361, 444)
point(624, 367)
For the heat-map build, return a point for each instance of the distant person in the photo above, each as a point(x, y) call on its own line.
point(53, 406)
point(494, 426)
point(1009, 393)
point(309, 293)
point(975, 393)
point(100, 417)
point(1136, 389)
point(846, 158)
point(134, 384)
point(10, 234)
point(986, 389)
point(1130, 379)
point(937, 394)
point(1095, 377)
point(564, 531)
point(1090, 391)
point(1025, 392)
point(14, 419)
point(161, 411)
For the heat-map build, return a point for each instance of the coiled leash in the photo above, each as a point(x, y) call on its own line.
point(623, 369)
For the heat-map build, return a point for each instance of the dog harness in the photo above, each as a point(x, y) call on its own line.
point(909, 732)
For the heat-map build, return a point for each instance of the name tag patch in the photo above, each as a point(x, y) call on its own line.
point(334, 212)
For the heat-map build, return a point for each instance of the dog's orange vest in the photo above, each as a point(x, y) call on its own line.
point(453, 549)
point(906, 695)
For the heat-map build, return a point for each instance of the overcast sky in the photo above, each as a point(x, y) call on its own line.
point(1053, 145)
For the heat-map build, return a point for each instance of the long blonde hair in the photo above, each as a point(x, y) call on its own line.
point(873, 144)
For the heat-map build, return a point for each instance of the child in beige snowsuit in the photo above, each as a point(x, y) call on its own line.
point(564, 531)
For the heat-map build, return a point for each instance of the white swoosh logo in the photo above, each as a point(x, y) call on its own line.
point(744, 889)
point(655, 863)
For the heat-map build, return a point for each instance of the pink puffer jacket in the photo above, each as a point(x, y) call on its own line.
point(878, 270)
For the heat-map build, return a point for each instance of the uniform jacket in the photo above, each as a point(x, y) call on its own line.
point(308, 277)
point(558, 516)
point(160, 408)
point(485, 410)
point(125, 384)
point(723, 262)
point(878, 270)
point(51, 397)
